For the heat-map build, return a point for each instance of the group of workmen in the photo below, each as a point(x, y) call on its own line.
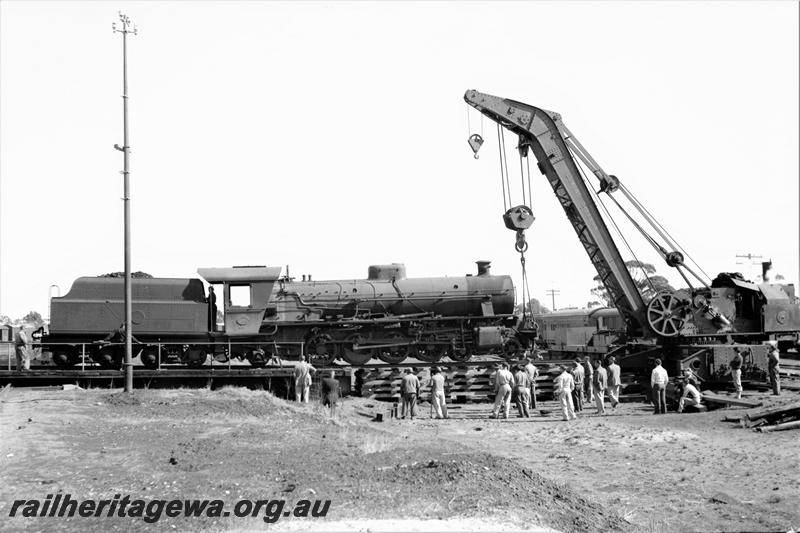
point(584, 381)
point(575, 385)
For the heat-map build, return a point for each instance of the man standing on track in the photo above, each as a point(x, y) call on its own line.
point(503, 383)
point(409, 389)
point(614, 381)
point(302, 379)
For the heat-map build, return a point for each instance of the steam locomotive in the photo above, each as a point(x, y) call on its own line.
point(265, 315)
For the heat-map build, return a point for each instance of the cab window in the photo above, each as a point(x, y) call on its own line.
point(240, 295)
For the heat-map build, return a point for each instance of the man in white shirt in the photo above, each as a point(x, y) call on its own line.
point(614, 376)
point(437, 393)
point(302, 379)
point(689, 388)
point(658, 383)
point(22, 344)
point(533, 373)
point(503, 383)
point(563, 387)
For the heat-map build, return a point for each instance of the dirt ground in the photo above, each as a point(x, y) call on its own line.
point(627, 471)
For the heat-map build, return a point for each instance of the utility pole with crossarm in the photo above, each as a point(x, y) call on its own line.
point(125, 29)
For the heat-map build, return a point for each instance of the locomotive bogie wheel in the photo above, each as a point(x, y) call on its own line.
point(149, 357)
point(351, 354)
point(393, 354)
point(110, 357)
point(664, 314)
point(512, 349)
point(195, 357)
point(256, 358)
point(63, 358)
point(460, 354)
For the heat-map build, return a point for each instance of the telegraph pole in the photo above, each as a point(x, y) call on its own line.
point(552, 293)
point(750, 257)
point(126, 149)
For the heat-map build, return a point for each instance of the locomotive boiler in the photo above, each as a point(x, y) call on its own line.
point(263, 315)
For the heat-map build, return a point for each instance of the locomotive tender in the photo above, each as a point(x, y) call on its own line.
point(387, 315)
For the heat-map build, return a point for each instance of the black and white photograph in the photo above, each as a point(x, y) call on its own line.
point(400, 266)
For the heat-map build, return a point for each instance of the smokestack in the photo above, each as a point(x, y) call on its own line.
point(484, 268)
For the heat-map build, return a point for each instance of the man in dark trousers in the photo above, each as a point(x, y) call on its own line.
point(409, 392)
point(773, 367)
point(212, 309)
point(330, 392)
point(736, 371)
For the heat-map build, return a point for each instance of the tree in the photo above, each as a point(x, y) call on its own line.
point(33, 318)
point(535, 307)
point(640, 272)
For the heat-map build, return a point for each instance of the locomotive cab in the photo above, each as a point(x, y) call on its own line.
point(246, 294)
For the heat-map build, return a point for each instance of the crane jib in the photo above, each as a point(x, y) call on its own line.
point(539, 128)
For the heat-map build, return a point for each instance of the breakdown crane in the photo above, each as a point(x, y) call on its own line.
point(696, 327)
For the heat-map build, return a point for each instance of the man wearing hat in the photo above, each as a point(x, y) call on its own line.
point(409, 389)
point(773, 367)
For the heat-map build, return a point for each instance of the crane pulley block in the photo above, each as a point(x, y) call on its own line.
point(519, 218)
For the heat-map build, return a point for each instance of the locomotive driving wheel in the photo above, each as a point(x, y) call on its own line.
point(352, 354)
point(665, 314)
point(321, 349)
point(394, 354)
point(429, 353)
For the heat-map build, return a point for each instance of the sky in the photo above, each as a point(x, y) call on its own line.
point(329, 136)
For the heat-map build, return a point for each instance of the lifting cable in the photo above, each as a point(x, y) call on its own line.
point(611, 218)
point(503, 174)
point(655, 223)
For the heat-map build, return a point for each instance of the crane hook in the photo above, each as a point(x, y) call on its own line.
point(475, 141)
